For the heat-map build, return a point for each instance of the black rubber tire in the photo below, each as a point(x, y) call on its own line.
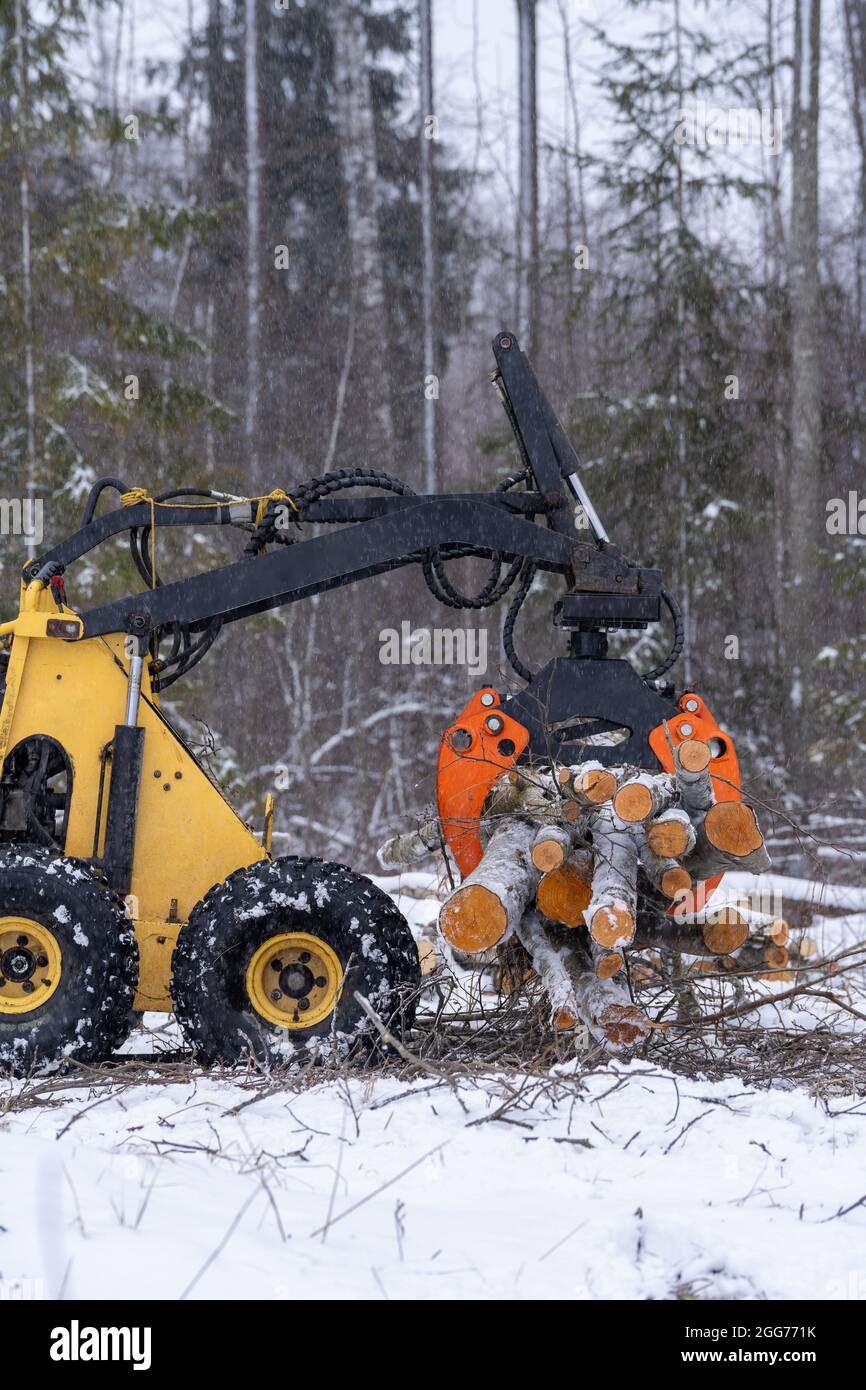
point(88, 1015)
point(358, 921)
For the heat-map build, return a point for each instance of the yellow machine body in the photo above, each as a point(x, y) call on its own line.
point(188, 836)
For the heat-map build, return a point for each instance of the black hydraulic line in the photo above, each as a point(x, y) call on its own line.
point(96, 492)
point(679, 636)
point(511, 618)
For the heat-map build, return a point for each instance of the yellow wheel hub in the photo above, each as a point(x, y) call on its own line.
point(294, 980)
point(30, 965)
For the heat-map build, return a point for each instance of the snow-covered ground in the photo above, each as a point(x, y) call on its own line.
point(629, 1183)
point(625, 1180)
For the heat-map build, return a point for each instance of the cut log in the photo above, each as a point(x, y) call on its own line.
point(724, 931)
point(694, 783)
point(409, 848)
point(551, 847)
point(607, 964)
point(706, 860)
point(777, 957)
point(730, 826)
point(612, 910)
point(608, 1012)
point(808, 948)
point(668, 875)
point(487, 906)
point(672, 835)
point(550, 964)
point(563, 895)
point(674, 880)
point(642, 797)
point(780, 931)
point(593, 784)
point(427, 957)
point(693, 756)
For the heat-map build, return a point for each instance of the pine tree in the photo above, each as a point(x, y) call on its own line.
point(82, 362)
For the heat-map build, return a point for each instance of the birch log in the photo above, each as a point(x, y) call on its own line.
point(593, 784)
point(564, 893)
point(672, 835)
point(605, 1006)
point(549, 962)
point(409, 848)
point(551, 847)
point(485, 909)
point(694, 783)
point(642, 797)
point(666, 874)
point(725, 930)
point(612, 909)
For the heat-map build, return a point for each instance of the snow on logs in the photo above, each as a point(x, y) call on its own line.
point(581, 864)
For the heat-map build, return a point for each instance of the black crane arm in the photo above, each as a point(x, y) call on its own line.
point(547, 522)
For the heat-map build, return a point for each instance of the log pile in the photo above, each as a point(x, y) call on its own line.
point(580, 866)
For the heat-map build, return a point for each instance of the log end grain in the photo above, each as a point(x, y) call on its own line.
point(731, 827)
point(668, 839)
point(725, 931)
point(623, 1025)
point(777, 957)
point(548, 855)
point(633, 802)
point(693, 755)
point(609, 963)
point(779, 931)
point(563, 895)
point(597, 785)
point(675, 882)
point(612, 926)
point(427, 957)
point(473, 919)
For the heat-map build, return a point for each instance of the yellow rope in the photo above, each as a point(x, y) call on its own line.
point(137, 495)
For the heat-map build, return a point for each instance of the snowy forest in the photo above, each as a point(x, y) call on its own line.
point(244, 244)
point(283, 245)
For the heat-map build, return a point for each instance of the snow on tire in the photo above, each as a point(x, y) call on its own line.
point(283, 942)
point(68, 962)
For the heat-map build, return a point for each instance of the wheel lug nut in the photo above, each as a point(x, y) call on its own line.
point(22, 940)
point(28, 986)
point(42, 961)
point(304, 957)
point(303, 1004)
point(321, 982)
point(276, 994)
point(276, 965)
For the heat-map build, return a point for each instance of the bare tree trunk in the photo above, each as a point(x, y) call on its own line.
point(571, 153)
point(805, 460)
point(428, 278)
point(855, 36)
point(360, 176)
point(251, 104)
point(26, 276)
point(528, 285)
point(685, 585)
point(774, 262)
